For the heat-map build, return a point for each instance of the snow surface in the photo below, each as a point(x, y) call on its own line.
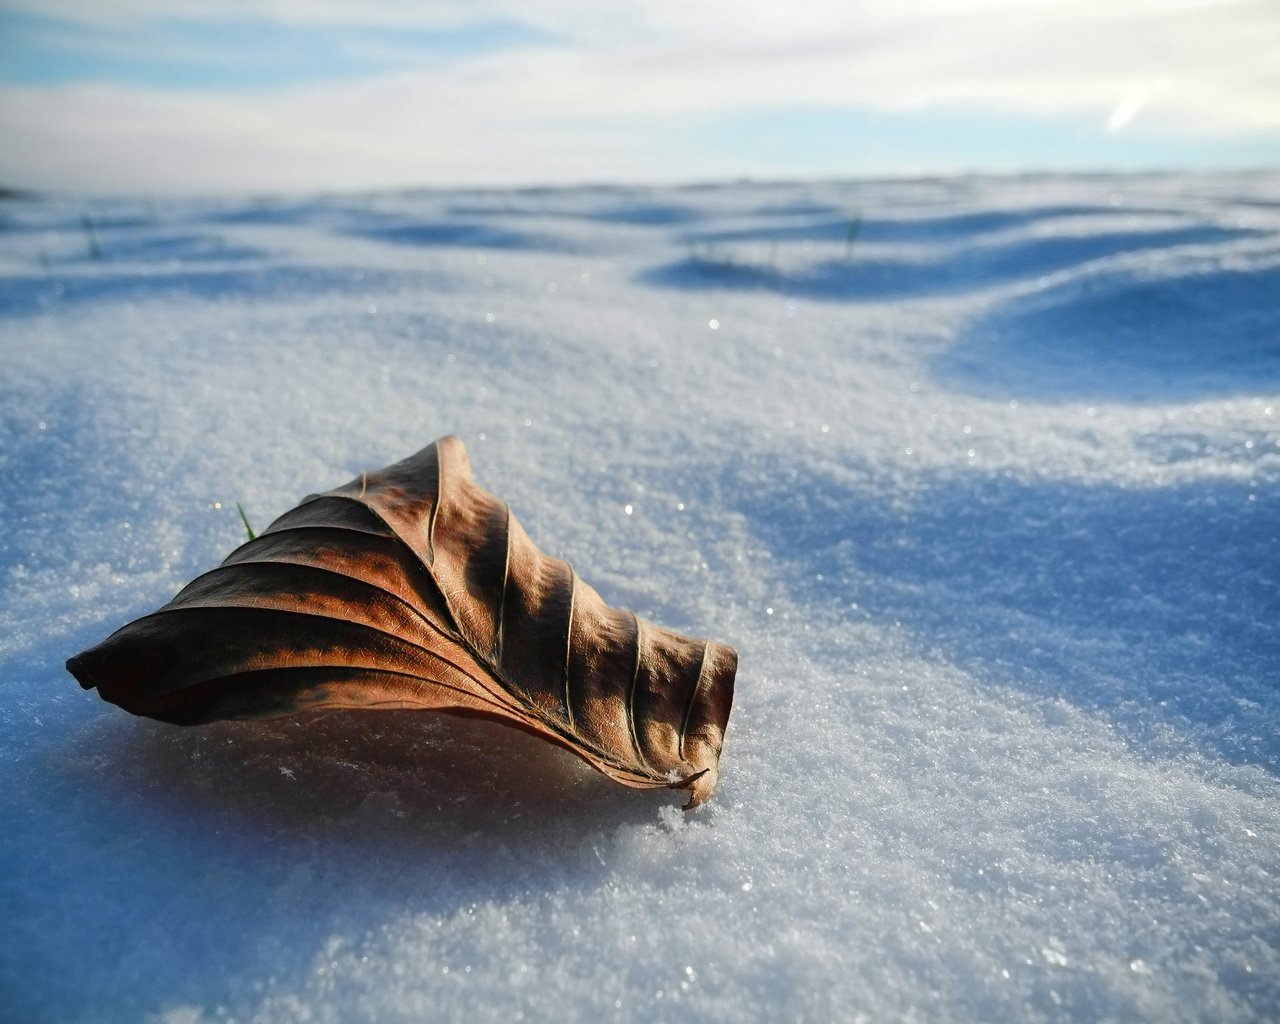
point(978, 475)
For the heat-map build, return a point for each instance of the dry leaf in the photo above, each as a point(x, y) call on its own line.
point(412, 587)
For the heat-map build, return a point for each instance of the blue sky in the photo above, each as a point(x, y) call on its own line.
point(239, 54)
point(198, 95)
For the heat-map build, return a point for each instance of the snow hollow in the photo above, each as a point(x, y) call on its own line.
point(978, 475)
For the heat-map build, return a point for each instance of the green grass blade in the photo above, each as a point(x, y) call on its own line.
point(245, 519)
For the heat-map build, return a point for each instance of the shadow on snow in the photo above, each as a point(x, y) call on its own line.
point(164, 250)
point(897, 229)
point(331, 825)
point(1156, 607)
point(444, 233)
point(33, 294)
point(953, 269)
point(1125, 338)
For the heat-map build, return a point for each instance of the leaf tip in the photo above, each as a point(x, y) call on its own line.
point(700, 786)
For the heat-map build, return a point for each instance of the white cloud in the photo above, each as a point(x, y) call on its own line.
point(591, 107)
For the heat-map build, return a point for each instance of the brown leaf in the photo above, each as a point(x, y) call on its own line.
point(412, 587)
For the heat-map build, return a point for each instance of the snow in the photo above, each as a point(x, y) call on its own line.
point(978, 475)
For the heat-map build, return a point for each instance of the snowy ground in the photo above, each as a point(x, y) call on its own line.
point(979, 476)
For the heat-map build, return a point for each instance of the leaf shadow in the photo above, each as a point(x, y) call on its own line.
point(416, 780)
point(148, 848)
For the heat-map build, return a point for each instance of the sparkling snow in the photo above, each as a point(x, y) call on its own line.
point(978, 475)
